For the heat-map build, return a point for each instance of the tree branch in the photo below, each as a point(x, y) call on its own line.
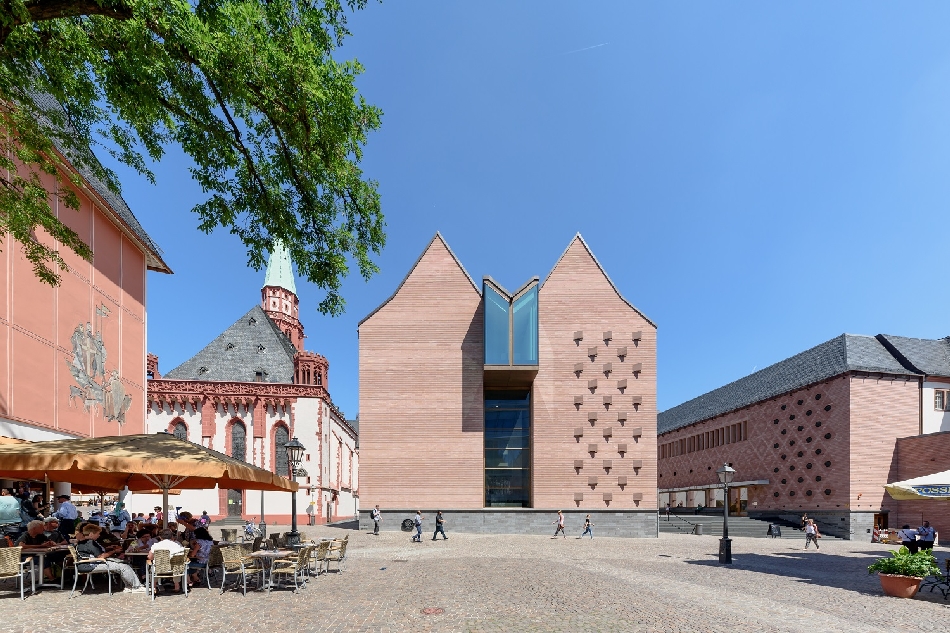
point(42, 10)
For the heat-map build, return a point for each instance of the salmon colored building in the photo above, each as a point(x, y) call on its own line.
point(500, 408)
point(821, 432)
point(72, 358)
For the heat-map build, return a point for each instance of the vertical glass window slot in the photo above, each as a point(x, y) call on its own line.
point(496, 327)
point(525, 330)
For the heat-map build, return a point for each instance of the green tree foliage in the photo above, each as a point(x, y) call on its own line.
point(249, 89)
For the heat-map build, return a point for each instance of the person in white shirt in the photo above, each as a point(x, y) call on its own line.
point(908, 538)
point(67, 514)
point(811, 533)
point(926, 535)
point(169, 543)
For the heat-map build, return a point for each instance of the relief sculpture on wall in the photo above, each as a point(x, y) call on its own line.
point(96, 387)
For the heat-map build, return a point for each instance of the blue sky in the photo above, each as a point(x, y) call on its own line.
point(755, 178)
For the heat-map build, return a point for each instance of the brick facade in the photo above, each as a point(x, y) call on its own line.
point(422, 409)
point(916, 457)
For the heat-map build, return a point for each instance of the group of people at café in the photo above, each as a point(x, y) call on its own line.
point(114, 541)
point(921, 538)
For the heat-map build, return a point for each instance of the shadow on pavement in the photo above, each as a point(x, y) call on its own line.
point(817, 568)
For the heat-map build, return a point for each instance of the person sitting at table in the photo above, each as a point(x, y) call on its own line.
point(188, 523)
point(53, 532)
point(143, 543)
point(108, 539)
point(90, 549)
point(169, 543)
point(35, 537)
point(200, 550)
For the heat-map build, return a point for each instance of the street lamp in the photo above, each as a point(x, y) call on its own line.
point(726, 475)
point(295, 452)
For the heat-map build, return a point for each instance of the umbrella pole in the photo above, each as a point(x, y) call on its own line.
point(165, 504)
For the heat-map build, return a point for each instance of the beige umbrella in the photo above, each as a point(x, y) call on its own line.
point(935, 486)
point(139, 462)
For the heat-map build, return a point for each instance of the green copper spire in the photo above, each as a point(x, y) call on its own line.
point(279, 271)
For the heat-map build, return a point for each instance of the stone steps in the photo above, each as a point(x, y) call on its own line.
point(712, 525)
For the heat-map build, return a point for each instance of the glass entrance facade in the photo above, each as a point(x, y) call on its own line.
point(508, 449)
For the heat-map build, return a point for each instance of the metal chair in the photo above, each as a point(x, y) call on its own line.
point(164, 565)
point(296, 568)
point(12, 567)
point(92, 567)
point(234, 562)
point(337, 554)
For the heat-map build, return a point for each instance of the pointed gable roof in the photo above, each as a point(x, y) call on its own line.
point(280, 273)
point(253, 343)
point(437, 239)
point(579, 238)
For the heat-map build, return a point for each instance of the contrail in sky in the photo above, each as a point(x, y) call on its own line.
point(586, 49)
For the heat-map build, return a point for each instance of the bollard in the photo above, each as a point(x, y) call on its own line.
point(698, 529)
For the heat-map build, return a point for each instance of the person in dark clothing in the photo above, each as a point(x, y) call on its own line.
point(35, 537)
point(439, 526)
point(90, 550)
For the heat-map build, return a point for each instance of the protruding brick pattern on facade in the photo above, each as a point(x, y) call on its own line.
point(578, 299)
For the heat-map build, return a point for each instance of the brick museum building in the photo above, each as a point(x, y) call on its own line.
point(246, 394)
point(821, 432)
point(501, 407)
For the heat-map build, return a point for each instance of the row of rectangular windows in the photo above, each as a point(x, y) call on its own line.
point(731, 434)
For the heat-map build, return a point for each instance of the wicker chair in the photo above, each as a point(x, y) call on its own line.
point(234, 562)
point(337, 553)
point(164, 565)
point(12, 567)
point(92, 569)
point(294, 567)
point(318, 557)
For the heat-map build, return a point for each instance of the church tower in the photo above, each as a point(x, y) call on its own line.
point(279, 295)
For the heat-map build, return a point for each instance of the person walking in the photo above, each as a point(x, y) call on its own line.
point(418, 537)
point(667, 511)
point(310, 518)
point(804, 521)
point(439, 526)
point(560, 525)
point(376, 517)
point(587, 528)
point(908, 538)
point(811, 534)
point(926, 536)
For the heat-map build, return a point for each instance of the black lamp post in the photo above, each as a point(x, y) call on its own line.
point(726, 475)
point(295, 452)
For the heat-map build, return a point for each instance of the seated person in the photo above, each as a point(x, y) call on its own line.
point(200, 550)
point(90, 550)
point(35, 537)
point(143, 543)
point(188, 523)
point(53, 532)
point(109, 540)
point(169, 543)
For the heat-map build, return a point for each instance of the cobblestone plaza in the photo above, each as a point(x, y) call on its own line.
point(529, 583)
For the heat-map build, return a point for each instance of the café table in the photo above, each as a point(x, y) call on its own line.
point(41, 552)
point(267, 558)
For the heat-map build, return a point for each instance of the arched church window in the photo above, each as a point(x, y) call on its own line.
point(281, 436)
point(239, 441)
point(180, 431)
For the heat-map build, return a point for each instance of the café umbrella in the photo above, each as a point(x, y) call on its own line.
point(935, 486)
point(140, 462)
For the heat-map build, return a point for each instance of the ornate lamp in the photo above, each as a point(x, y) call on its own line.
point(295, 451)
point(726, 475)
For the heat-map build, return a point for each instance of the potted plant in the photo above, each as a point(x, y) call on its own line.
point(902, 573)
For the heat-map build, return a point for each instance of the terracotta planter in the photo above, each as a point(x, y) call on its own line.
point(900, 586)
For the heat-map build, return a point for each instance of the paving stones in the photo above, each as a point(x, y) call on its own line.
point(509, 583)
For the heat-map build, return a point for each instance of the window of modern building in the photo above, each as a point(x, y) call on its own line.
point(508, 449)
point(525, 328)
point(497, 324)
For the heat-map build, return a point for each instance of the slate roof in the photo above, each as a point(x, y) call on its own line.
point(118, 204)
point(235, 355)
point(926, 356)
point(841, 354)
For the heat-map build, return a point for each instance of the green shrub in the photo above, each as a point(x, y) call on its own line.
point(903, 563)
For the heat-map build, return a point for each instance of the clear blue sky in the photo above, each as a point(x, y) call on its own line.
point(755, 178)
